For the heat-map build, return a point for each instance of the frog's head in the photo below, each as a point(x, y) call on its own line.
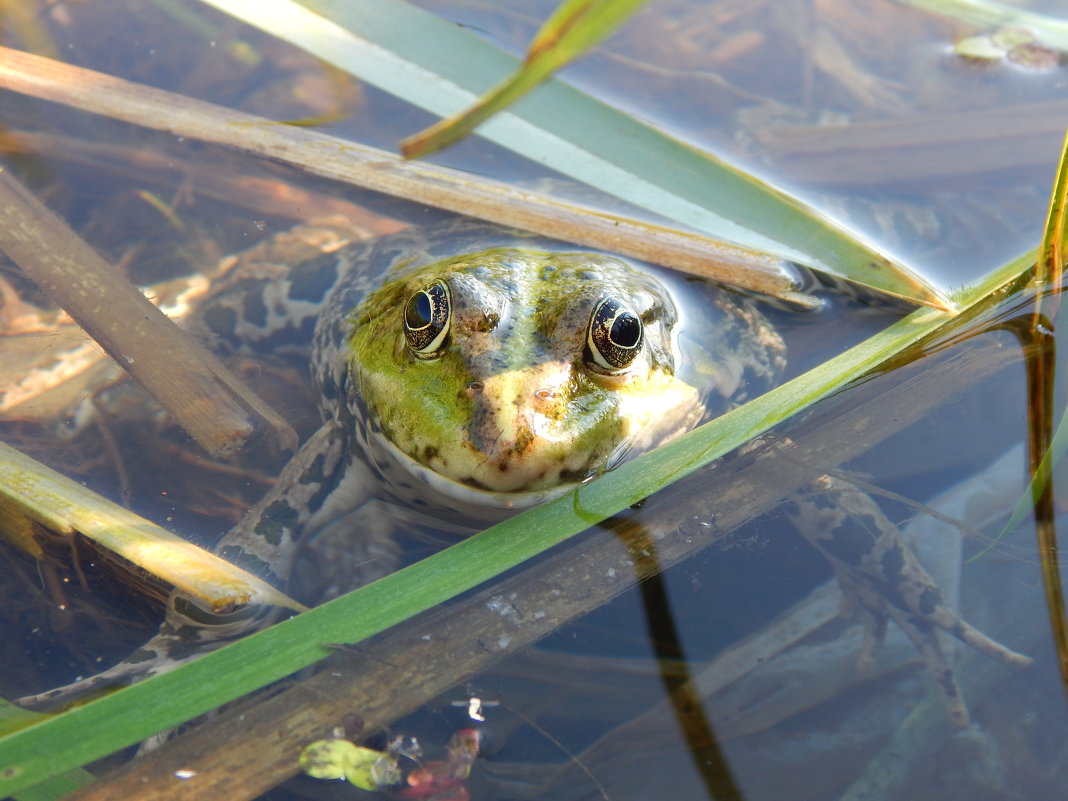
point(514, 372)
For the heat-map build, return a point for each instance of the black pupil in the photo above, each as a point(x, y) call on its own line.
point(419, 311)
point(626, 330)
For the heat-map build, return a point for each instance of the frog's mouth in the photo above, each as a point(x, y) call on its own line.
point(537, 433)
point(420, 478)
point(511, 438)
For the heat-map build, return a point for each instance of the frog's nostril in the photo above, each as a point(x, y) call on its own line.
point(474, 388)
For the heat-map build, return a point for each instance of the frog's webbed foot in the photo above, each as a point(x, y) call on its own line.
point(883, 579)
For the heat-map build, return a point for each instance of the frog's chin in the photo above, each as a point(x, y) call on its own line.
point(432, 488)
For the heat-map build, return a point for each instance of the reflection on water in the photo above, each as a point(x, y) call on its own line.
point(862, 109)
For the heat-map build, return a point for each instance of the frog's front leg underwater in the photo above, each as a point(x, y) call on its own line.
point(882, 579)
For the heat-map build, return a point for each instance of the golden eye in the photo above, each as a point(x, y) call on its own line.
point(614, 338)
point(426, 320)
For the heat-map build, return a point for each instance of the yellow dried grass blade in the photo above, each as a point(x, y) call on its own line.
point(38, 493)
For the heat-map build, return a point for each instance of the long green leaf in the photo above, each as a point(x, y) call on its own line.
point(442, 68)
point(575, 27)
point(13, 718)
point(56, 744)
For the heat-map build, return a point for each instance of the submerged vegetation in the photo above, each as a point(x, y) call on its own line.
point(413, 53)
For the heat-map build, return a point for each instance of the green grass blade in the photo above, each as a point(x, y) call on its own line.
point(442, 68)
point(56, 744)
point(13, 718)
point(575, 27)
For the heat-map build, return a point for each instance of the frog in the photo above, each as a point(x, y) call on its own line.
point(469, 371)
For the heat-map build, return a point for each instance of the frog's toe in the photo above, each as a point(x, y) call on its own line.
point(871, 641)
point(926, 641)
point(968, 634)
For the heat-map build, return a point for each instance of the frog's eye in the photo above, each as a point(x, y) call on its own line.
point(426, 320)
point(614, 338)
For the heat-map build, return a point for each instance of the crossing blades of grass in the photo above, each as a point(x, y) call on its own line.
point(575, 27)
point(442, 68)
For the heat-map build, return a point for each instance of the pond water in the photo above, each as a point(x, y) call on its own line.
point(730, 674)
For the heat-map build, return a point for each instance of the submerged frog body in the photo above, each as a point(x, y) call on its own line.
point(469, 371)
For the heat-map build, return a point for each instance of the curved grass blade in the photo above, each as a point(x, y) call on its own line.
point(440, 67)
point(1050, 273)
point(54, 745)
point(575, 27)
point(1045, 450)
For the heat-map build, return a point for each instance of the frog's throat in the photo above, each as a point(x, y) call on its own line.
point(385, 451)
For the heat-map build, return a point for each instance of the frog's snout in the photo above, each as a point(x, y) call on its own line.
point(517, 418)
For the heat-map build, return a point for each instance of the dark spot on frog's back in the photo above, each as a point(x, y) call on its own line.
point(892, 562)
point(255, 310)
point(314, 472)
point(524, 439)
point(930, 600)
point(277, 518)
point(823, 500)
point(852, 539)
point(222, 322)
point(328, 388)
point(311, 280)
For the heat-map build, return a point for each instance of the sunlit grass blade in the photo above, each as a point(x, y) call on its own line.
point(989, 14)
point(1050, 268)
point(442, 68)
point(32, 491)
point(574, 27)
point(55, 745)
point(349, 162)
